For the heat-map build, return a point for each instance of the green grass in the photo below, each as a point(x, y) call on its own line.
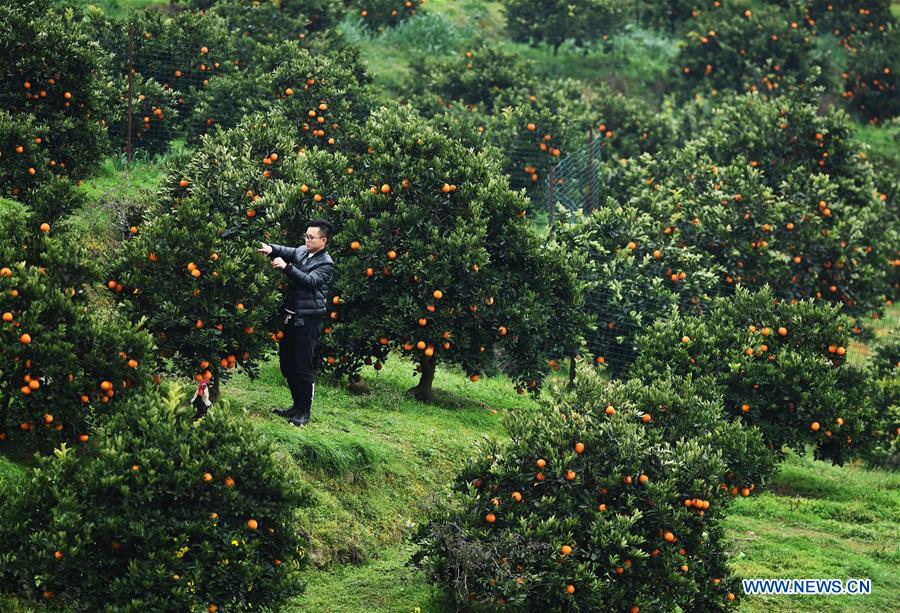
point(10, 472)
point(883, 141)
point(821, 521)
point(376, 460)
point(118, 9)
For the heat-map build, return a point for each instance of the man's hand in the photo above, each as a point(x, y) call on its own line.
point(265, 249)
point(278, 262)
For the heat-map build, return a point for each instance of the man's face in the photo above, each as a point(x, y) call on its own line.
point(315, 240)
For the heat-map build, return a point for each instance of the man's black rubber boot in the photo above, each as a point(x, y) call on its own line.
point(300, 420)
point(287, 412)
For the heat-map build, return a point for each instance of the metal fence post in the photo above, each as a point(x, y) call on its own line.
point(130, 91)
point(589, 203)
point(551, 204)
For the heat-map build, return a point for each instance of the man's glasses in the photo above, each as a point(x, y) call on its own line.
point(310, 237)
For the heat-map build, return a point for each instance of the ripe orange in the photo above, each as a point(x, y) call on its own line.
point(570, 589)
point(184, 183)
point(392, 255)
point(473, 378)
point(669, 537)
point(229, 482)
point(570, 475)
point(438, 294)
point(385, 189)
point(252, 524)
point(646, 417)
point(517, 496)
point(610, 410)
point(490, 518)
point(815, 426)
point(579, 448)
point(25, 339)
point(541, 463)
point(566, 550)
point(45, 227)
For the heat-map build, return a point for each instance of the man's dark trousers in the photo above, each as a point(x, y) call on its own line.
point(297, 353)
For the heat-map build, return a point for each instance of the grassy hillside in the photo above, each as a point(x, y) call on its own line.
point(377, 461)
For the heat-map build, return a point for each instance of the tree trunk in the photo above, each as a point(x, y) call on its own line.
point(571, 373)
point(424, 392)
point(215, 392)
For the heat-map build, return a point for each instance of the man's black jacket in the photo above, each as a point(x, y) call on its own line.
point(308, 277)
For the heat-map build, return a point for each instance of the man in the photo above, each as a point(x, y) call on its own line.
point(308, 270)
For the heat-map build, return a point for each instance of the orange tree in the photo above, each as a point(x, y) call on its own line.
point(435, 259)
point(23, 153)
point(871, 80)
point(64, 362)
point(843, 19)
point(325, 96)
point(203, 291)
point(181, 52)
point(780, 366)
point(588, 507)
point(157, 512)
point(744, 47)
point(555, 21)
point(477, 76)
point(53, 71)
point(257, 24)
point(381, 14)
point(154, 115)
point(884, 434)
point(641, 274)
point(776, 194)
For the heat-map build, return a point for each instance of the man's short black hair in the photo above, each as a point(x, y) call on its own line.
point(323, 226)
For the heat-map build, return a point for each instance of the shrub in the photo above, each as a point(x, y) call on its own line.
point(584, 510)
point(55, 74)
point(555, 22)
point(54, 383)
point(779, 366)
point(775, 194)
point(628, 127)
point(154, 115)
point(295, 82)
point(477, 76)
point(884, 433)
point(158, 512)
point(674, 409)
point(316, 15)
point(743, 47)
point(639, 273)
point(23, 153)
point(204, 293)
point(844, 19)
point(871, 79)
point(382, 14)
